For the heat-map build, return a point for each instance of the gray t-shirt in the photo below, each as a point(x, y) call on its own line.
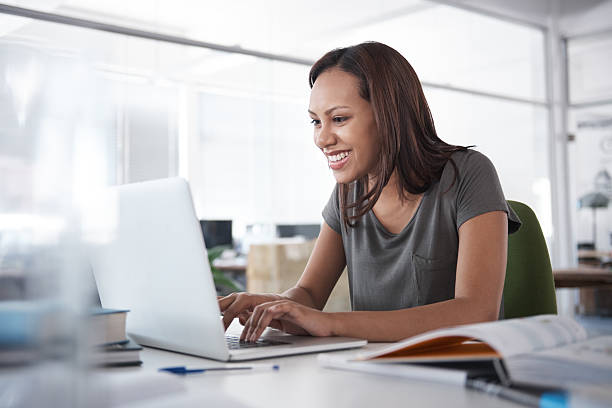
point(417, 266)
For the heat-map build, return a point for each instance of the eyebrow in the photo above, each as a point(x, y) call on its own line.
point(330, 110)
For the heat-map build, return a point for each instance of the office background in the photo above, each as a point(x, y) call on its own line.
point(101, 93)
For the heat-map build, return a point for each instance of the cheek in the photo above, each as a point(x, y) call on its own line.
point(369, 143)
point(315, 138)
point(371, 152)
point(374, 142)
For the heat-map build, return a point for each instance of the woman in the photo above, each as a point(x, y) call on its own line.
point(421, 225)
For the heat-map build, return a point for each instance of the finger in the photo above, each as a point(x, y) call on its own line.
point(248, 327)
point(241, 303)
point(226, 301)
point(266, 317)
point(277, 324)
point(228, 318)
point(245, 329)
point(243, 317)
point(255, 316)
point(237, 308)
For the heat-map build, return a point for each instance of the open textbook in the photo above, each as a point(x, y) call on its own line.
point(546, 350)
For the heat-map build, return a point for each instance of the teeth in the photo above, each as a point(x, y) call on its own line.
point(338, 156)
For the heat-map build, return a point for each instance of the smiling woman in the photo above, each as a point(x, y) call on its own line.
point(421, 225)
point(389, 100)
point(343, 131)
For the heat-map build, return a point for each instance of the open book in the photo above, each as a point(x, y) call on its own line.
point(546, 350)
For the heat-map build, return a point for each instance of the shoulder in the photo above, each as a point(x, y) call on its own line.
point(465, 164)
point(469, 160)
point(331, 211)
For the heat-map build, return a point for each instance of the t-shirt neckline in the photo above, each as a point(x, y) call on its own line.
point(381, 227)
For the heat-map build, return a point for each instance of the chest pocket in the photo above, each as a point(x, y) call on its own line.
point(435, 279)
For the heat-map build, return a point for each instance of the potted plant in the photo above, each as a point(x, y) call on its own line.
point(223, 283)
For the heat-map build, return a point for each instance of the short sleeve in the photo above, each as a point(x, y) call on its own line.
point(479, 191)
point(331, 212)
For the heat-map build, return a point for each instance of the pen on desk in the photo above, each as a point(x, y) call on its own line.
point(182, 370)
point(548, 399)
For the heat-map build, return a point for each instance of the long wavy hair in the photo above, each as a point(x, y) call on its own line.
point(405, 128)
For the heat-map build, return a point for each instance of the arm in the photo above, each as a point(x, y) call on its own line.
point(322, 271)
point(481, 267)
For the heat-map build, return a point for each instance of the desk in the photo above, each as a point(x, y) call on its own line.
point(301, 382)
point(582, 277)
point(594, 286)
point(237, 264)
point(592, 253)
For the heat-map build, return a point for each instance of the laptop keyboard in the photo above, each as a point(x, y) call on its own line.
point(234, 343)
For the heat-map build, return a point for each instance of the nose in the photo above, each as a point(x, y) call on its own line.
point(324, 136)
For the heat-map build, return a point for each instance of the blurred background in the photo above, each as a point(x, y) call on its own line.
point(99, 93)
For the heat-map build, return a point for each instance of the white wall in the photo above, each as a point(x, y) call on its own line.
point(589, 20)
point(575, 17)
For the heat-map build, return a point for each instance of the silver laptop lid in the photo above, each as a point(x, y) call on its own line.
point(155, 264)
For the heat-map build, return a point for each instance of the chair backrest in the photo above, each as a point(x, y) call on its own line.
point(529, 288)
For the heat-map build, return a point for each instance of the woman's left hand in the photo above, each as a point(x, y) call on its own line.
point(288, 316)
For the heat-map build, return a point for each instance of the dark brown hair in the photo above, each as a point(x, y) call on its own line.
point(405, 127)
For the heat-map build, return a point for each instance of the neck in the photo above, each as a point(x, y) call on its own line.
point(393, 209)
point(390, 192)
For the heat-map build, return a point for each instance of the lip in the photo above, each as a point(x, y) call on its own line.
point(340, 163)
point(335, 152)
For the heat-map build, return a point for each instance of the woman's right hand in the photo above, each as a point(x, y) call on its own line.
point(241, 305)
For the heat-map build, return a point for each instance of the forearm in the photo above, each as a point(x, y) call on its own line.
point(399, 324)
point(300, 295)
point(322, 271)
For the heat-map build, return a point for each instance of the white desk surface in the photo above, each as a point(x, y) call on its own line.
point(300, 382)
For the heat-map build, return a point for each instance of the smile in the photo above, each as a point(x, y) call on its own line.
point(337, 161)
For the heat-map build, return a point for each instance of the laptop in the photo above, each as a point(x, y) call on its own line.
point(152, 260)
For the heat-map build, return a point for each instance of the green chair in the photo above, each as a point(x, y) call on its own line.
point(529, 288)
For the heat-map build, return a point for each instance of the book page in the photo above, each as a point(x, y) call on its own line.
point(507, 337)
point(414, 372)
point(593, 352)
point(585, 362)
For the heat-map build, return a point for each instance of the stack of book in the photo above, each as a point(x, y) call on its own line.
point(20, 332)
point(110, 344)
point(31, 331)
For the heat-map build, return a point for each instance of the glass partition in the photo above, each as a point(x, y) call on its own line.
point(513, 135)
point(590, 153)
point(589, 64)
point(236, 126)
point(454, 47)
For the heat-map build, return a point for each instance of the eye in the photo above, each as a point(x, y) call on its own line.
point(340, 119)
point(315, 122)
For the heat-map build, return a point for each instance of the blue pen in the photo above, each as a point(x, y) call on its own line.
point(544, 400)
point(182, 370)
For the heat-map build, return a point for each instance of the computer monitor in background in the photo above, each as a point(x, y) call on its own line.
point(217, 232)
point(308, 231)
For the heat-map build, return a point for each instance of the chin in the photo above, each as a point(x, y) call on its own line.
point(344, 178)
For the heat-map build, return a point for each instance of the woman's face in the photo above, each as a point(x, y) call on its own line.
point(344, 126)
